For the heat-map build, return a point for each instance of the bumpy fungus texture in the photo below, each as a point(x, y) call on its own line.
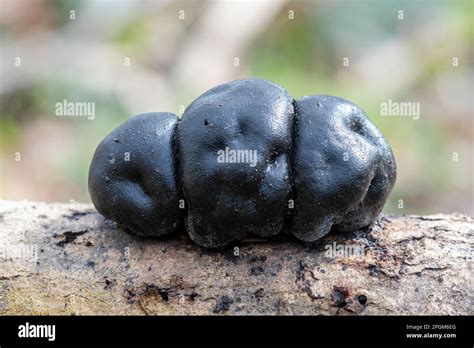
point(245, 159)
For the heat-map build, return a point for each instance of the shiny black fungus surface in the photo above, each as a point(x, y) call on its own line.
point(133, 178)
point(245, 159)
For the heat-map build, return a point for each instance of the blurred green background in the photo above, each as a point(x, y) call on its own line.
point(130, 57)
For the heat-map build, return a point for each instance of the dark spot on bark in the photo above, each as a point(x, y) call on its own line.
point(42, 216)
point(223, 304)
point(68, 236)
point(300, 267)
point(164, 294)
point(339, 295)
point(109, 284)
point(256, 270)
point(153, 289)
point(344, 268)
point(89, 243)
point(300, 270)
point(75, 214)
point(130, 295)
point(362, 299)
point(322, 270)
point(90, 264)
point(260, 293)
point(374, 270)
point(258, 258)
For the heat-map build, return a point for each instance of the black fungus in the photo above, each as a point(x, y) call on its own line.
point(343, 168)
point(235, 172)
point(244, 160)
point(133, 177)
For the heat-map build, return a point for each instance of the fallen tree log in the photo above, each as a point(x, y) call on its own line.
point(67, 259)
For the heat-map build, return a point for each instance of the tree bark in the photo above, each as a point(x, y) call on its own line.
point(67, 259)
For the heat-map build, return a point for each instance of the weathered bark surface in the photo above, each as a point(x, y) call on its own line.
point(87, 265)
